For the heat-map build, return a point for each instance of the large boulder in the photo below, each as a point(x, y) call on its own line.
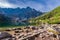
point(5, 36)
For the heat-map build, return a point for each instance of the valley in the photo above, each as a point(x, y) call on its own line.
point(31, 25)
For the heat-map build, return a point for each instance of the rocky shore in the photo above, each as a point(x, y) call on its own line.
point(42, 32)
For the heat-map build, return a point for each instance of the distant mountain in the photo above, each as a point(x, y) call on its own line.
point(52, 17)
point(22, 13)
point(16, 15)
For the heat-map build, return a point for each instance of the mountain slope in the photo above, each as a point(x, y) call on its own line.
point(4, 20)
point(15, 16)
point(52, 17)
point(22, 13)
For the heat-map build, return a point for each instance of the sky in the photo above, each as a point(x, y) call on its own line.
point(41, 5)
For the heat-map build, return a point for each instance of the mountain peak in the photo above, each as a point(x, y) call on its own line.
point(21, 12)
point(28, 8)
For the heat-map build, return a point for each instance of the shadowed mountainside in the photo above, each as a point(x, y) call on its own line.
point(15, 16)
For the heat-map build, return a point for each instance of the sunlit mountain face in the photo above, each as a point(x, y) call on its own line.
point(42, 5)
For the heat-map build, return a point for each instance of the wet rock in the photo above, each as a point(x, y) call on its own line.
point(27, 31)
point(13, 38)
point(58, 29)
point(17, 31)
point(54, 36)
point(41, 27)
point(28, 27)
point(33, 28)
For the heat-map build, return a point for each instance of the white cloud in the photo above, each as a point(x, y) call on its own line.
point(6, 4)
point(49, 4)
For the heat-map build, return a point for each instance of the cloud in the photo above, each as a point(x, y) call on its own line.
point(42, 5)
point(6, 4)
